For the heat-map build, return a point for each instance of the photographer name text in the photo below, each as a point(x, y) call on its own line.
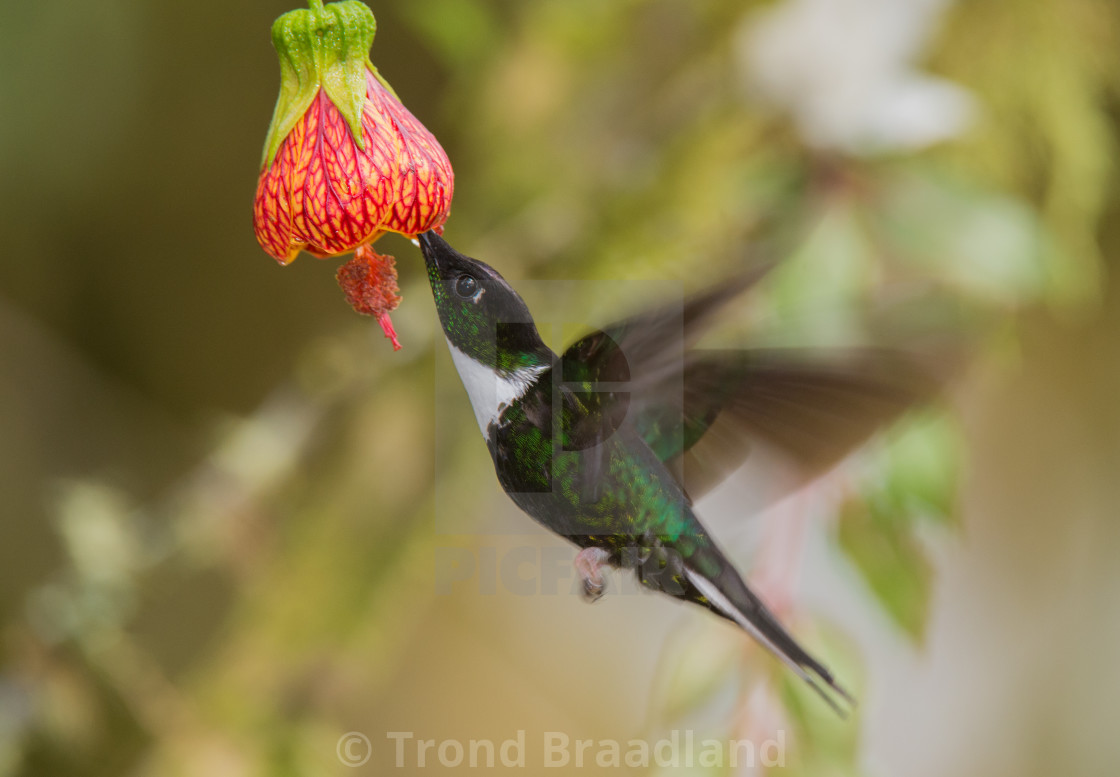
point(556, 749)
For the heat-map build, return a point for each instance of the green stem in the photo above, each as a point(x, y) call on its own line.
point(315, 5)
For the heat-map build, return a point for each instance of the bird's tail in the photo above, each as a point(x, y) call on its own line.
point(730, 597)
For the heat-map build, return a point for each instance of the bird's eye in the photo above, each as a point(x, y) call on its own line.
point(466, 286)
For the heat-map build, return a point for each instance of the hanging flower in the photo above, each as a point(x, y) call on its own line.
point(344, 161)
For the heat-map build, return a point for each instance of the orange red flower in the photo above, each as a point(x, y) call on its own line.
point(325, 194)
point(344, 161)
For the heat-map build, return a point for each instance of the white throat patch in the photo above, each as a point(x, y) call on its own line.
point(490, 392)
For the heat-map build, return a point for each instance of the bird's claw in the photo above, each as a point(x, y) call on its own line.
point(593, 590)
point(588, 564)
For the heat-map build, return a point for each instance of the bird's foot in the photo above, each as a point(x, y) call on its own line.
point(588, 564)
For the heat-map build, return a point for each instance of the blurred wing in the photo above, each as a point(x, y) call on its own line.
point(702, 412)
point(651, 345)
point(811, 407)
point(605, 373)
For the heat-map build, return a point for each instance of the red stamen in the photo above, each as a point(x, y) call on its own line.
point(387, 327)
point(369, 281)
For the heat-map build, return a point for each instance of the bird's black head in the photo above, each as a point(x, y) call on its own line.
point(482, 316)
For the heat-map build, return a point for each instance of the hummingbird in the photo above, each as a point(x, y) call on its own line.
point(609, 444)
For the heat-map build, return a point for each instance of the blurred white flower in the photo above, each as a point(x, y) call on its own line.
point(844, 69)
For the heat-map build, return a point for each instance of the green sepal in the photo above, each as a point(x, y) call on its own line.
point(322, 46)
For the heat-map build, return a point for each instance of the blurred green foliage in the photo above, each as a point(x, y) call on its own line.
point(219, 486)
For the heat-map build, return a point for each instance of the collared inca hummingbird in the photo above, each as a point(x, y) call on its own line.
point(597, 444)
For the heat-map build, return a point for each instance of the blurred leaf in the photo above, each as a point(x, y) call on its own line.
point(912, 477)
point(923, 459)
point(883, 549)
point(986, 245)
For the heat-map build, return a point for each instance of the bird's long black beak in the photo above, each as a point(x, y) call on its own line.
point(435, 248)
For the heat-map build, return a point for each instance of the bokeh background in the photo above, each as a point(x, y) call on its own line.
point(235, 526)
